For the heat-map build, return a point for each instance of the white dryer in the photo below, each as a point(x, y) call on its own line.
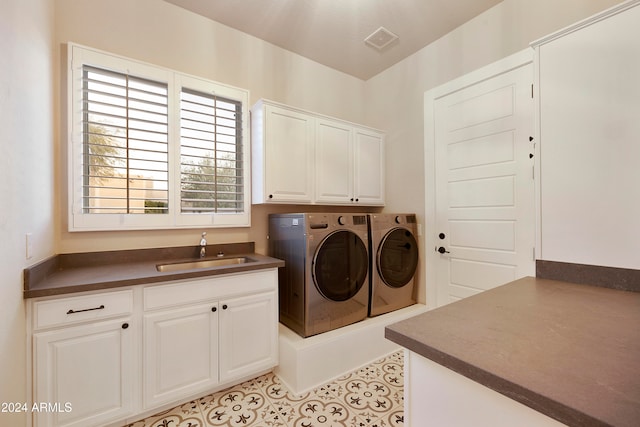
point(394, 262)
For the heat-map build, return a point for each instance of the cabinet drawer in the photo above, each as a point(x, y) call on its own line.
point(211, 288)
point(65, 311)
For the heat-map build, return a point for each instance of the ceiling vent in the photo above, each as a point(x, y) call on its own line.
point(380, 38)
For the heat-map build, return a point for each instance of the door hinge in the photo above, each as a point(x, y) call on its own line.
point(531, 90)
point(533, 255)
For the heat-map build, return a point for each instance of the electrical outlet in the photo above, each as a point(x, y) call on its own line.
point(29, 245)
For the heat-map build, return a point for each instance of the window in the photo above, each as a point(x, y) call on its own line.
point(152, 148)
point(125, 139)
point(210, 159)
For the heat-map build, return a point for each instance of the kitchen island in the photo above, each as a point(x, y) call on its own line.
point(532, 352)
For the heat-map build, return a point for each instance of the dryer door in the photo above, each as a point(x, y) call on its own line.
point(340, 265)
point(397, 257)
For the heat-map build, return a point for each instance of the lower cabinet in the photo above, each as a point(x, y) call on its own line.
point(115, 357)
point(180, 353)
point(84, 375)
point(247, 342)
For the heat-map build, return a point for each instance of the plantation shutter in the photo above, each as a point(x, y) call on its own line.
point(210, 154)
point(125, 143)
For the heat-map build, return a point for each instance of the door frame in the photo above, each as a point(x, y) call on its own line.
point(487, 72)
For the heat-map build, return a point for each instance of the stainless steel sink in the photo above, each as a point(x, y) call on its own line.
point(203, 263)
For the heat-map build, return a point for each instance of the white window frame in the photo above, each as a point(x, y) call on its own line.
point(78, 220)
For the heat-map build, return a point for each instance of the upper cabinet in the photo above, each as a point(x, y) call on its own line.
point(282, 150)
point(304, 158)
point(334, 164)
point(369, 167)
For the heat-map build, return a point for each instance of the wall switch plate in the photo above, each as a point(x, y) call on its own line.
point(29, 245)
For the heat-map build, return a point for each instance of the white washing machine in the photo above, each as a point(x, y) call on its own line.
point(324, 284)
point(394, 261)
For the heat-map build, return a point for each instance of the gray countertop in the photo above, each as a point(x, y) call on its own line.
point(567, 350)
point(71, 273)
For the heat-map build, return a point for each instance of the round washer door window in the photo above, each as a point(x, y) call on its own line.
point(397, 257)
point(340, 265)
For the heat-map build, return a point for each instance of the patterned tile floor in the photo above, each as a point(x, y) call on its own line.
point(368, 397)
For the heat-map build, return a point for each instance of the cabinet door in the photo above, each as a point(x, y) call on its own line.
point(248, 335)
point(86, 372)
point(334, 162)
point(369, 167)
point(288, 145)
point(180, 353)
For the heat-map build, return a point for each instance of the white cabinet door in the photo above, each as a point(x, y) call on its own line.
point(369, 167)
point(334, 162)
point(287, 144)
point(248, 335)
point(88, 371)
point(180, 353)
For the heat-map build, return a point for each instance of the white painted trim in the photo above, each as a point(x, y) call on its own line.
point(536, 152)
point(497, 68)
point(585, 22)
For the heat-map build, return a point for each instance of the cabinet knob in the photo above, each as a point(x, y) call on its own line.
point(125, 325)
point(357, 200)
point(271, 196)
point(224, 306)
point(214, 309)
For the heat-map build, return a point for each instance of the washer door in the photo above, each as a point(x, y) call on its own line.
point(340, 265)
point(397, 257)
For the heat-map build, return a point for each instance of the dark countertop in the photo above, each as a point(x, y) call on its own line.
point(70, 273)
point(570, 351)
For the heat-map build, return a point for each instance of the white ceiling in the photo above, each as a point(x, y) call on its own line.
point(332, 32)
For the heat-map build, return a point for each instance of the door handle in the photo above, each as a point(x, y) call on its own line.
point(442, 250)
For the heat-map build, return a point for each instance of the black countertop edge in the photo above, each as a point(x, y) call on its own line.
point(536, 401)
point(623, 279)
point(72, 273)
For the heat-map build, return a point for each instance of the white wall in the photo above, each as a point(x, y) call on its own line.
point(589, 82)
point(164, 34)
point(395, 97)
point(26, 175)
point(161, 33)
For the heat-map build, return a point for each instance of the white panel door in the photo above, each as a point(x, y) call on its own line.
point(289, 153)
point(334, 162)
point(88, 370)
point(485, 214)
point(248, 335)
point(180, 352)
point(369, 168)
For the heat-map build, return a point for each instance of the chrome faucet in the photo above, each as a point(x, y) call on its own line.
point(203, 245)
